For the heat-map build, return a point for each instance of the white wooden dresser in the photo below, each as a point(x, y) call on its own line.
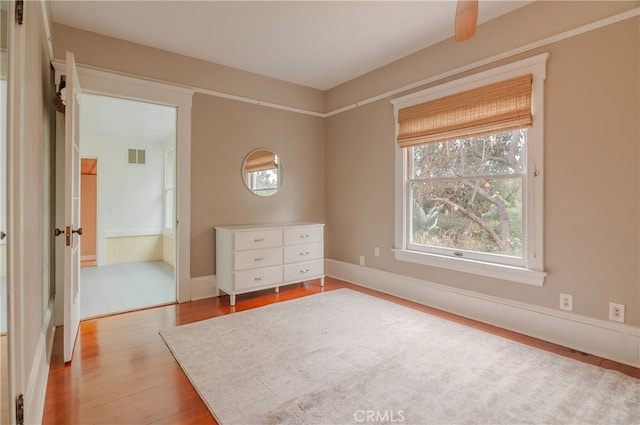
point(254, 257)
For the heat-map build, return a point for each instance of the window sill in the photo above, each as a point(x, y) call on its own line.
point(498, 271)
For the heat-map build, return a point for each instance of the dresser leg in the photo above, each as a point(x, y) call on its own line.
point(232, 300)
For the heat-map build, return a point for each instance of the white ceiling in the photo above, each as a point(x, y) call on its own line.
point(110, 120)
point(318, 44)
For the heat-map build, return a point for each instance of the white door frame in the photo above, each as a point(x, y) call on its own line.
point(106, 83)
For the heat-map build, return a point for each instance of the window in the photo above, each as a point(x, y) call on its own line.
point(466, 197)
point(136, 156)
point(169, 178)
point(261, 173)
point(468, 167)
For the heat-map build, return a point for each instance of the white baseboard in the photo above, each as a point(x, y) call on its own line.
point(610, 340)
point(36, 390)
point(203, 287)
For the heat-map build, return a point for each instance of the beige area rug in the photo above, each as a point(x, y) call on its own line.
point(343, 357)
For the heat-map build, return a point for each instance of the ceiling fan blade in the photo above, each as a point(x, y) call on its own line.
point(466, 19)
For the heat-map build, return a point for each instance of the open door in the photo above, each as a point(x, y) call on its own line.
point(72, 230)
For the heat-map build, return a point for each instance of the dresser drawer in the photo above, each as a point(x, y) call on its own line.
point(298, 253)
point(299, 272)
point(251, 259)
point(255, 278)
point(256, 257)
point(256, 239)
point(303, 235)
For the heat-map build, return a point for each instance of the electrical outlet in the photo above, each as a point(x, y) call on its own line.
point(376, 251)
point(566, 302)
point(616, 312)
point(362, 260)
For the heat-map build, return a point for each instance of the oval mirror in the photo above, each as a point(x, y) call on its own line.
point(262, 172)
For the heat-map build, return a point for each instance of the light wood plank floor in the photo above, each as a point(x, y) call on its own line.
point(123, 373)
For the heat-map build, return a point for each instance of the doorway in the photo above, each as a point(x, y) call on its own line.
point(128, 174)
point(88, 210)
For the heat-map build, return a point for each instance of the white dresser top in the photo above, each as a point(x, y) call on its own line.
point(269, 225)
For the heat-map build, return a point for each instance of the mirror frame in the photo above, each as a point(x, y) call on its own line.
point(279, 168)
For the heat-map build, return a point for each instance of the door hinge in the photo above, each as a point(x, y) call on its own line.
point(20, 410)
point(19, 11)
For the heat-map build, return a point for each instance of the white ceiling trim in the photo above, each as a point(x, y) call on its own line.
point(58, 65)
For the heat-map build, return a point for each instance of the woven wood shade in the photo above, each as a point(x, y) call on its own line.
point(260, 160)
point(502, 106)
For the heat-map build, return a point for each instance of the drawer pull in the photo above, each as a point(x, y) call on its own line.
point(304, 271)
point(258, 259)
point(304, 253)
point(258, 278)
point(304, 236)
point(258, 240)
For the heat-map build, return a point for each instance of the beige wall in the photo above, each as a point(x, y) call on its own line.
point(223, 133)
point(592, 134)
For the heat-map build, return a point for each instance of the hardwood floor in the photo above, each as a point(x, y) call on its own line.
point(122, 372)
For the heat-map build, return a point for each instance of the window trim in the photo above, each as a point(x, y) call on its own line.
point(169, 186)
point(532, 272)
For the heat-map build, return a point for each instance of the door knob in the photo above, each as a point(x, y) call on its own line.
point(68, 232)
point(58, 232)
point(2, 235)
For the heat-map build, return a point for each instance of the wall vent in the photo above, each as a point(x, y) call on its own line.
point(137, 156)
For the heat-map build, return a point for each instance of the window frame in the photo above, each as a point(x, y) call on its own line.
point(169, 212)
point(531, 271)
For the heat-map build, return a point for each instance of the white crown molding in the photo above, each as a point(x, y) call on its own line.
point(610, 340)
point(258, 102)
